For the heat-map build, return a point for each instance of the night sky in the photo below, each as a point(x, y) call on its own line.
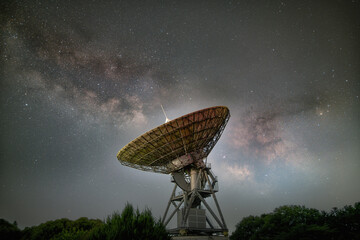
point(81, 79)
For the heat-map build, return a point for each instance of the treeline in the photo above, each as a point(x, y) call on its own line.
point(299, 222)
point(285, 222)
point(130, 224)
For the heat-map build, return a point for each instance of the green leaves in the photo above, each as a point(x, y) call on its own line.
point(130, 224)
point(63, 229)
point(299, 222)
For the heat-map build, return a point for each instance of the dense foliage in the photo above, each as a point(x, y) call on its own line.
point(9, 231)
point(298, 222)
point(129, 224)
point(61, 229)
point(286, 222)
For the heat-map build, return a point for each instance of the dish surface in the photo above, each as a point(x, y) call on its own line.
point(180, 142)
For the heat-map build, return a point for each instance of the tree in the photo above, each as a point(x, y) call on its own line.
point(248, 227)
point(345, 222)
point(286, 222)
point(130, 224)
point(61, 229)
point(9, 231)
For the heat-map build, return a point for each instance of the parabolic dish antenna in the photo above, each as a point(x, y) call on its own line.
point(180, 147)
point(177, 143)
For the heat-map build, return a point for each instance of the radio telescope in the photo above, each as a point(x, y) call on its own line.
point(180, 147)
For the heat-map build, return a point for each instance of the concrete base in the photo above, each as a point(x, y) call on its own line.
point(200, 238)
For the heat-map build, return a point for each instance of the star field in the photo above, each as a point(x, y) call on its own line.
point(82, 79)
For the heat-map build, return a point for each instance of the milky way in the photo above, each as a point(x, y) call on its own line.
point(81, 80)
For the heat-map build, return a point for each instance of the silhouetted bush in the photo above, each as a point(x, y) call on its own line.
point(345, 222)
point(298, 222)
point(60, 229)
point(9, 231)
point(130, 224)
point(285, 222)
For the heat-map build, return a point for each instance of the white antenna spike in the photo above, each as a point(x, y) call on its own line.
point(166, 118)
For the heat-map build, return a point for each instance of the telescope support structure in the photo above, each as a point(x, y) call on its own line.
point(197, 184)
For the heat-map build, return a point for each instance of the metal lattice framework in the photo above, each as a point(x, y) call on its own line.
point(177, 143)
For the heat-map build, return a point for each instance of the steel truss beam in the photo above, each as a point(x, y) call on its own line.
point(194, 199)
